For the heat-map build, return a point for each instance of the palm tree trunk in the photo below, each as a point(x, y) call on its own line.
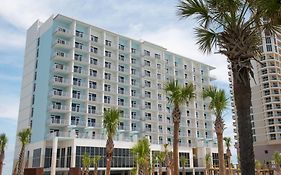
point(160, 168)
point(20, 162)
point(242, 95)
point(176, 121)
point(2, 157)
point(183, 170)
point(221, 154)
point(228, 153)
point(96, 170)
point(109, 151)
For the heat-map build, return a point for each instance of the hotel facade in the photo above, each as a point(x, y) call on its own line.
point(74, 71)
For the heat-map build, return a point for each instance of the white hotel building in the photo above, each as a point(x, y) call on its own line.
point(73, 71)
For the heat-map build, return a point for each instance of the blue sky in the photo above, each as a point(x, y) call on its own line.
point(153, 21)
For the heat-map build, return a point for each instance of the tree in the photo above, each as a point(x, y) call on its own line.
point(208, 163)
point(86, 163)
point(233, 28)
point(277, 161)
point(24, 137)
point(183, 161)
point(95, 161)
point(178, 95)
point(168, 159)
point(218, 104)
point(141, 152)
point(227, 141)
point(110, 123)
point(153, 162)
point(161, 160)
point(3, 144)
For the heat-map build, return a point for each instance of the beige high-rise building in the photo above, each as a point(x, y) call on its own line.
point(266, 106)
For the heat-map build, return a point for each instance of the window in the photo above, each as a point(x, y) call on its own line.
point(121, 47)
point(107, 53)
point(75, 107)
point(133, 60)
point(158, 66)
point(160, 107)
point(76, 94)
point(147, 83)
point(75, 120)
point(107, 87)
point(91, 109)
point(121, 57)
point(91, 122)
point(108, 42)
point(268, 48)
point(121, 68)
point(94, 38)
point(159, 96)
point(61, 54)
point(146, 52)
point(159, 76)
point(147, 73)
point(92, 85)
point(133, 82)
point(133, 71)
point(77, 69)
point(107, 99)
point(92, 97)
point(107, 65)
point(148, 127)
point(94, 49)
point(121, 79)
point(133, 104)
point(134, 126)
point(157, 56)
point(146, 63)
point(78, 45)
point(93, 61)
point(159, 86)
point(147, 105)
point(133, 92)
point(121, 102)
point(93, 73)
point(268, 40)
point(107, 76)
point(147, 94)
point(57, 91)
point(79, 33)
point(77, 81)
point(61, 41)
point(77, 57)
point(121, 90)
point(133, 50)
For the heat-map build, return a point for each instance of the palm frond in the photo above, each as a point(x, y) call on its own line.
point(24, 136)
point(111, 121)
point(3, 142)
point(227, 141)
point(206, 39)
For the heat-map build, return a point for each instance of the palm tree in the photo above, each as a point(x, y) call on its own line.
point(95, 161)
point(178, 95)
point(277, 161)
point(141, 152)
point(227, 141)
point(208, 164)
point(183, 161)
point(110, 123)
point(24, 137)
point(161, 159)
point(233, 28)
point(153, 162)
point(218, 104)
point(3, 144)
point(168, 159)
point(86, 162)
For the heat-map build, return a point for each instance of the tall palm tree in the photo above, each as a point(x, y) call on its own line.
point(24, 137)
point(95, 161)
point(86, 163)
point(141, 152)
point(183, 161)
point(161, 160)
point(178, 95)
point(227, 141)
point(208, 163)
point(277, 161)
point(3, 144)
point(218, 104)
point(233, 28)
point(110, 123)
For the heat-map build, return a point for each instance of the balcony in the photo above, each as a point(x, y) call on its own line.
point(62, 57)
point(61, 44)
point(63, 32)
point(59, 95)
point(60, 82)
point(79, 123)
point(59, 108)
point(63, 69)
point(57, 122)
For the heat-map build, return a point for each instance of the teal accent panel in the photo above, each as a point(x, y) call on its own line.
point(42, 87)
point(124, 41)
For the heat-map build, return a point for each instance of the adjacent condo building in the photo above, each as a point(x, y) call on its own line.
point(74, 71)
point(266, 99)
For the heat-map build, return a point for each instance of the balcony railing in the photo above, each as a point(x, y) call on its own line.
point(57, 122)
